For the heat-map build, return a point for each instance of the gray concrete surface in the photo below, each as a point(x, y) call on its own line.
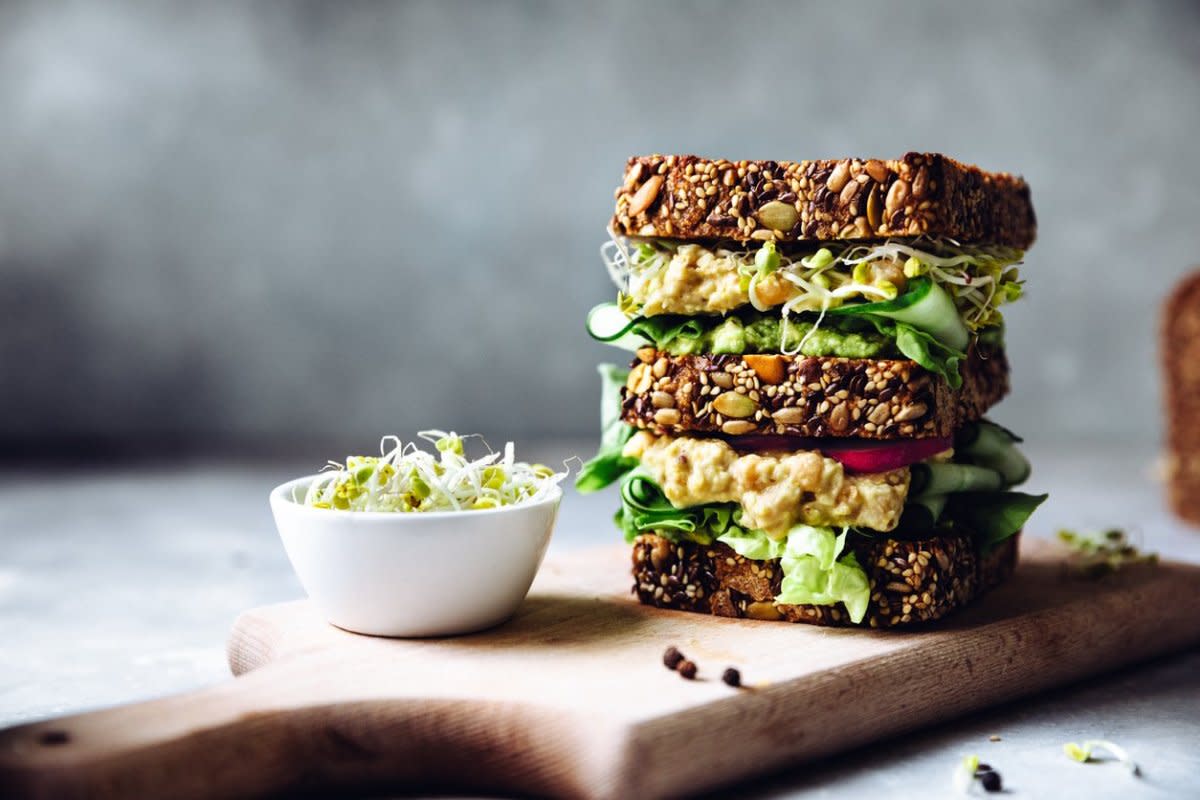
point(240, 222)
point(120, 585)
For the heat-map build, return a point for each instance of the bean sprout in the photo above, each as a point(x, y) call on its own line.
point(978, 278)
point(406, 478)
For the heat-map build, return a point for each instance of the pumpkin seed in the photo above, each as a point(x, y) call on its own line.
point(778, 216)
point(732, 404)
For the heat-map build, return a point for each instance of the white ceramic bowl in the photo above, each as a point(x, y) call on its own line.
point(414, 574)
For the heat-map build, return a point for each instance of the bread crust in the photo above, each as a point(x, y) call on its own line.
point(1181, 362)
point(911, 581)
point(767, 394)
point(918, 194)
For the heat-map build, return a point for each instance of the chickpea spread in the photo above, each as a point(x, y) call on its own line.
point(775, 490)
point(698, 280)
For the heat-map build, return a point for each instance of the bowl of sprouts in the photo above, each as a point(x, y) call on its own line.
point(421, 540)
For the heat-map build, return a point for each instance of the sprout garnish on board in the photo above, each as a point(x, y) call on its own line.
point(407, 478)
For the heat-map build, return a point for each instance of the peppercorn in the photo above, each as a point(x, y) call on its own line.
point(990, 781)
point(671, 658)
point(732, 677)
point(687, 669)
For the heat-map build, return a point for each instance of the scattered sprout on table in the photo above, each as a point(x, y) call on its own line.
point(1087, 751)
point(1100, 553)
point(971, 769)
point(406, 478)
point(964, 775)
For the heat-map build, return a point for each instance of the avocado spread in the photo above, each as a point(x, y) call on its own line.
point(846, 338)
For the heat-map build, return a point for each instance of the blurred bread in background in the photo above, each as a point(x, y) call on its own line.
point(1181, 360)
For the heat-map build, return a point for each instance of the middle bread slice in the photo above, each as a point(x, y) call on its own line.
point(809, 396)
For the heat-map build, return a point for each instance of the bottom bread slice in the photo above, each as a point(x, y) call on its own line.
point(911, 581)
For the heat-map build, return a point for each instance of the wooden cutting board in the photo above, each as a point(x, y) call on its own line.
point(571, 698)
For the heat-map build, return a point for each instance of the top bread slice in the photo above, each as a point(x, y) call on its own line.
point(918, 194)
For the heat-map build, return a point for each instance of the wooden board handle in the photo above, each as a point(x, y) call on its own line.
point(257, 736)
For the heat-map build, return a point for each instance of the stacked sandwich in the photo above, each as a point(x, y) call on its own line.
point(801, 435)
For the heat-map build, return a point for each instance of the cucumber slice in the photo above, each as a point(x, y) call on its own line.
point(934, 479)
point(921, 514)
point(607, 323)
point(994, 447)
point(925, 306)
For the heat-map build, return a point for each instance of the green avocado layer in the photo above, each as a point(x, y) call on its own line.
point(765, 334)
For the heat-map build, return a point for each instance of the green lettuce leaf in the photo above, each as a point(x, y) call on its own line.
point(992, 517)
point(664, 331)
point(930, 353)
point(605, 468)
point(922, 348)
point(644, 508)
point(813, 573)
point(608, 465)
point(753, 544)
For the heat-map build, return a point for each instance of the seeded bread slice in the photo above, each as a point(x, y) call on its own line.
point(918, 194)
point(911, 581)
point(1181, 359)
point(807, 396)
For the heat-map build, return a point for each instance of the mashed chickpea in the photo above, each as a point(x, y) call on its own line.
point(775, 490)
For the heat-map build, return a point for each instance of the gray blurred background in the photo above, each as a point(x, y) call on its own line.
point(267, 226)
